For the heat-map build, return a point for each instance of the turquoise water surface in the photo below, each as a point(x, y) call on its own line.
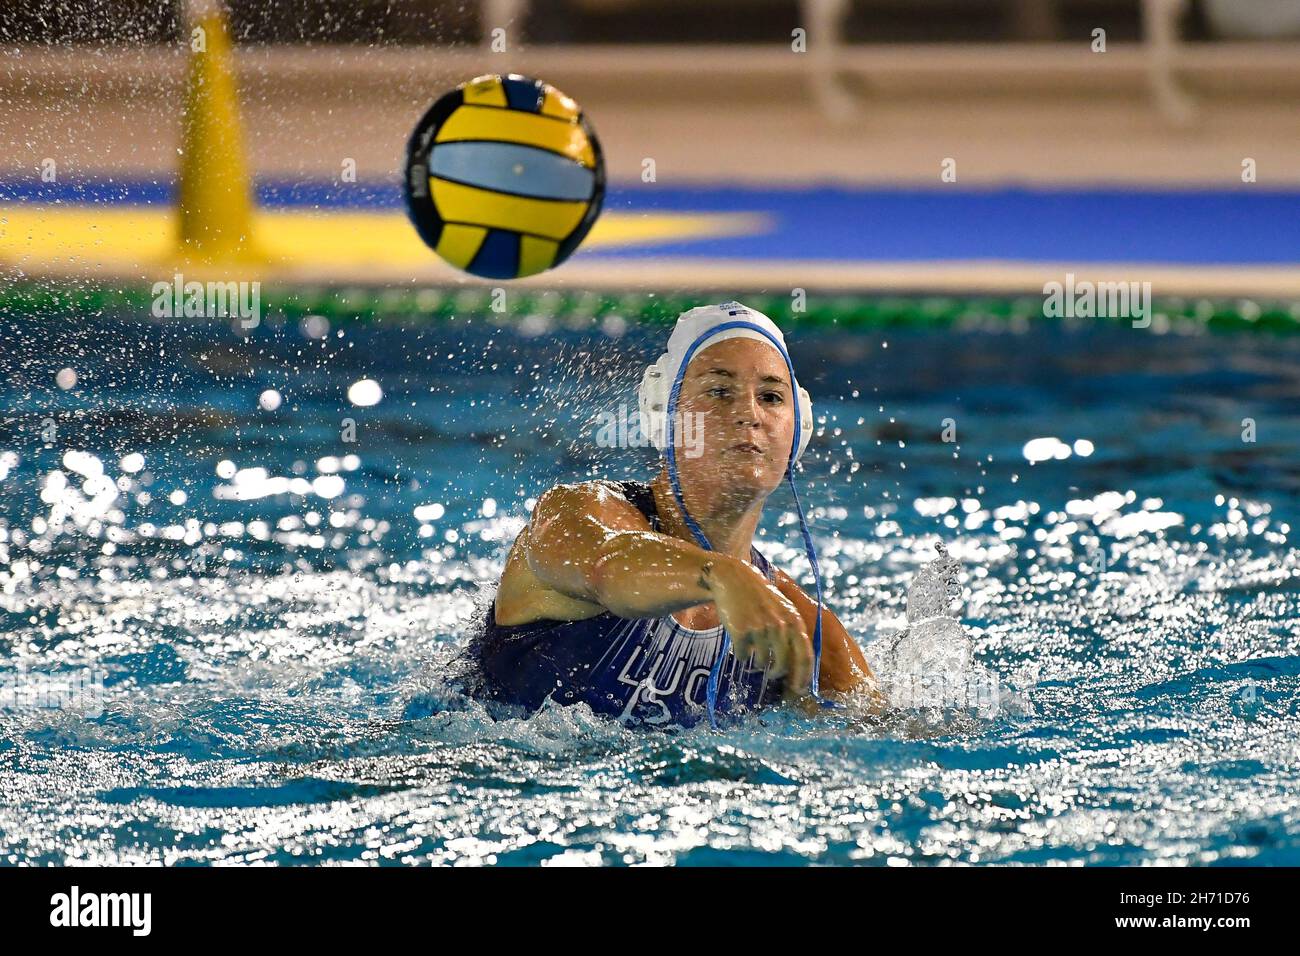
point(264, 610)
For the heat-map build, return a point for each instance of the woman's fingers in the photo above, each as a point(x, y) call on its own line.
point(779, 650)
point(769, 634)
point(799, 671)
point(801, 662)
point(763, 646)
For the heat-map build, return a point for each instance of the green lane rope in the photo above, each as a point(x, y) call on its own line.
point(578, 310)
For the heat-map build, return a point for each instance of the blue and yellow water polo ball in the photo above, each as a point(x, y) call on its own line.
point(504, 177)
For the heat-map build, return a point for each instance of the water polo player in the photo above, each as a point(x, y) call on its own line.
point(649, 602)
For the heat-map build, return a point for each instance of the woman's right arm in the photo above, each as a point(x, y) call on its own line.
point(588, 542)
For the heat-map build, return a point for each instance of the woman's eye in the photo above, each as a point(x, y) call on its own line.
point(772, 398)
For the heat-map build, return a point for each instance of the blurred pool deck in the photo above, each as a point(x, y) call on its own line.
point(1058, 170)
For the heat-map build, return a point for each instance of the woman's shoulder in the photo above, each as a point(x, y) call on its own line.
point(597, 493)
point(599, 489)
point(596, 487)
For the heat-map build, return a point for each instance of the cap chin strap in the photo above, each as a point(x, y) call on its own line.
point(715, 674)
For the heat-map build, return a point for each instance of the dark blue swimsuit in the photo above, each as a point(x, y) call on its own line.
point(641, 671)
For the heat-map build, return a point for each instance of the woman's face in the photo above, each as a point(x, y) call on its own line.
point(736, 414)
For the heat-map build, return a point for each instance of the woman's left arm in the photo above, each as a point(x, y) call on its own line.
point(843, 667)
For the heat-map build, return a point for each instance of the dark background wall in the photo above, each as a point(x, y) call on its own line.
point(577, 21)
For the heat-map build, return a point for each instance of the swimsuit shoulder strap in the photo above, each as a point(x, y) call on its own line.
point(756, 558)
point(640, 494)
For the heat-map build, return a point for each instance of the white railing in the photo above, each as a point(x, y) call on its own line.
point(1160, 57)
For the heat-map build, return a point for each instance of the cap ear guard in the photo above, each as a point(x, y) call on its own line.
point(652, 398)
point(805, 420)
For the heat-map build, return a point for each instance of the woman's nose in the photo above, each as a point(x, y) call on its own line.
point(747, 409)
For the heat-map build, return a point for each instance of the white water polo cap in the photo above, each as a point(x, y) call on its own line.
point(697, 329)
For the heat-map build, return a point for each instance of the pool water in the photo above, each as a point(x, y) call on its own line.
point(270, 608)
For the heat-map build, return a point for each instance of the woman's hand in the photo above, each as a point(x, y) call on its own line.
point(761, 621)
